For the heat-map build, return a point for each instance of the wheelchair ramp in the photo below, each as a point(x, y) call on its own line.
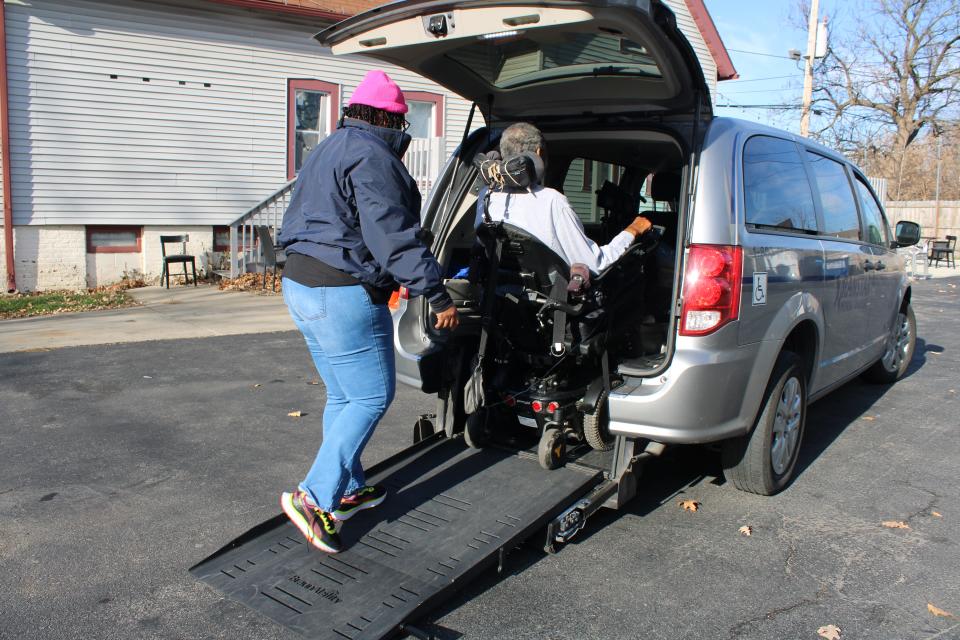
point(449, 512)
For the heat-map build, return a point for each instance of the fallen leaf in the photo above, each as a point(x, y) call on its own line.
point(746, 530)
point(869, 418)
point(937, 611)
point(257, 385)
point(895, 524)
point(689, 505)
point(830, 632)
point(313, 382)
point(936, 514)
point(296, 414)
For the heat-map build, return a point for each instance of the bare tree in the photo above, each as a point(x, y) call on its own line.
point(897, 74)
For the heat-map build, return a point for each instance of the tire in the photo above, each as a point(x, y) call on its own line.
point(898, 351)
point(552, 449)
point(763, 461)
point(475, 432)
point(596, 426)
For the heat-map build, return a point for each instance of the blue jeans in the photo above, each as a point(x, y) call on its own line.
point(351, 342)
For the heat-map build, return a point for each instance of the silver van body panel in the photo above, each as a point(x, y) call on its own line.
point(714, 385)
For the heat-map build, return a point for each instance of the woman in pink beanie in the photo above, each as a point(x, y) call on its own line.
point(352, 236)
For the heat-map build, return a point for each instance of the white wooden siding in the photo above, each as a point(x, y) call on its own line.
point(88, 149)
point(689, 29)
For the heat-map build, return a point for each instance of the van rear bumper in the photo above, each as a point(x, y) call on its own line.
point(711, 391)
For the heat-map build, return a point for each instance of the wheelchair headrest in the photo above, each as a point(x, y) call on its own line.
point(519, 172)
point(665, 187)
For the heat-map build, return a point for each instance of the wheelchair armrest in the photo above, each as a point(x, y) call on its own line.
point(641, 246)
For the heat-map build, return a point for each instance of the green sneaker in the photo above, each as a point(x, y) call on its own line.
point(317, 526)
point(365, 498)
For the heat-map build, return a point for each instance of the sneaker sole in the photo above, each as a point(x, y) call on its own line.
point(286, 503)
point(366, 505)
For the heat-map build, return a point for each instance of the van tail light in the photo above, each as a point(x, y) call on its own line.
point(396, 297)
point(711, 288)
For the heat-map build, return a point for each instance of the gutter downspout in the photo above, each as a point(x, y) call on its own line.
point(5, 155)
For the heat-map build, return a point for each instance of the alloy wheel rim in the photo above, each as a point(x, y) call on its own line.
point(898, 344)
point(786, 425)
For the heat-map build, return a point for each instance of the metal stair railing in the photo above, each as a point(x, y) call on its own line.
point(245, 250)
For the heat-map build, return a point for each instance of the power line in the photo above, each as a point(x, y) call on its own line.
point(740, 93)
point(762, 79)
point(760, 106)
point(758, 53)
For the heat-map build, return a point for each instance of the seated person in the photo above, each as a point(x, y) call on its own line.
point(546, 214)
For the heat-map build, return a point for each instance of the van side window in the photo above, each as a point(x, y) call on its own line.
point(873, 219)
point(839, 208)
point(775, 187)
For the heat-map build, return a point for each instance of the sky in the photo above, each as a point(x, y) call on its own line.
point(759, 34)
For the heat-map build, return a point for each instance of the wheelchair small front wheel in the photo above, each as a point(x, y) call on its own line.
point(552, 449)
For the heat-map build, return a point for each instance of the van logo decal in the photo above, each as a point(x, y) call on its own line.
point(759, 288)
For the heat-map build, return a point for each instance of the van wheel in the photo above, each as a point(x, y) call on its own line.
point(898, 351)
point(596, 426)
point(552, 449)
point(763, 460)
point(475, 431)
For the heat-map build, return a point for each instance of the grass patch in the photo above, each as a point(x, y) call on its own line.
point(25, 305)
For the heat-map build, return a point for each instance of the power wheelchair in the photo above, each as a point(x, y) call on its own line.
point(551, 333)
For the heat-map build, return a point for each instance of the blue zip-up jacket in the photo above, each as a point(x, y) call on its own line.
point(356, 208)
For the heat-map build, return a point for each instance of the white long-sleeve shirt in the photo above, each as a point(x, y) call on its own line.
point(546, 214)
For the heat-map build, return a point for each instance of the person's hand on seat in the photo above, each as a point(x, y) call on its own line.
point(639, 226)
point(448, 318)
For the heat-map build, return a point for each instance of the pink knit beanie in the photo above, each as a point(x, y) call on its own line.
point(377, 90)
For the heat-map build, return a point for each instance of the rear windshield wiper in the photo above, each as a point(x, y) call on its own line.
point(773, 227)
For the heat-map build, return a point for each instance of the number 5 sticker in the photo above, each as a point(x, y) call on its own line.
point(759, 288)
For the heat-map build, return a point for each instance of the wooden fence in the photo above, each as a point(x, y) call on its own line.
point(935, 219)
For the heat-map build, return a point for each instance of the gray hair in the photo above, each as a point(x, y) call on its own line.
point(521, 137)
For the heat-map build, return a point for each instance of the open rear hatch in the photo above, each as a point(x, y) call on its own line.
point(521, 60)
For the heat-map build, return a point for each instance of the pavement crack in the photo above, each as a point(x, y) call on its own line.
point(737, 629)
point(939, 634)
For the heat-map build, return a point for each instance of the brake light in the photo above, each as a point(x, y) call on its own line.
point(711, 288)
point(537, 406)
point(396, 297)
point(552, 407)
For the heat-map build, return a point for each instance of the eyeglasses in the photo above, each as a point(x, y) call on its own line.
point(406, 124)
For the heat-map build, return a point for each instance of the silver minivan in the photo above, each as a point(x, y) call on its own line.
point(772, 280)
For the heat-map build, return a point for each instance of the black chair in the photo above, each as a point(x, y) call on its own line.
point(943, 250)
point(273, 255)
point(174, 258)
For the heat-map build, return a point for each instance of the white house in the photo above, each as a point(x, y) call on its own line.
point(126, 119)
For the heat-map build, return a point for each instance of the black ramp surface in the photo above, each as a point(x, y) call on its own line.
point(448, 513)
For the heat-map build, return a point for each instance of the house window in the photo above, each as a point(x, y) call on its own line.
point(114, 239)
point(425, 115)
point(312, 109)
point(221, 238)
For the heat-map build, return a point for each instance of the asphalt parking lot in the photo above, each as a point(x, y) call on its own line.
point(124, 465)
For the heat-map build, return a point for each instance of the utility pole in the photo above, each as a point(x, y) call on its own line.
point(808, 68)
point(936, 219)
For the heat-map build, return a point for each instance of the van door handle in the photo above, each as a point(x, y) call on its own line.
point(881, 266)
point(868, 266)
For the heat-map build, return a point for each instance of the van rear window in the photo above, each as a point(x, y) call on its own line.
point(776, 192)
point(513, 59)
